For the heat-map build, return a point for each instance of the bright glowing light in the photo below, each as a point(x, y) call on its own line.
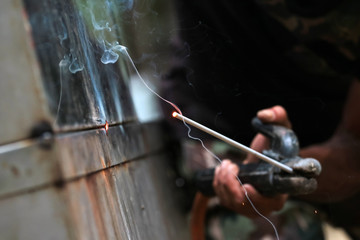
point(106, 126)
point(174, 114)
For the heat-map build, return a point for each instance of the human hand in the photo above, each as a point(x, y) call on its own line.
point(232, 195)
point(274, 115)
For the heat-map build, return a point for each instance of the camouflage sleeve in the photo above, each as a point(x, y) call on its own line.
point(327, 39)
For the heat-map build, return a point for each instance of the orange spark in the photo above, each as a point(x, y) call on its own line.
point(106, 126)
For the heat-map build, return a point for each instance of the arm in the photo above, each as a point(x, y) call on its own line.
point(340, 155)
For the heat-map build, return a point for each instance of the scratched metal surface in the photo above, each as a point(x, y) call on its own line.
point(22, 99)
point(128, 201)
point(72, 155)
point(71, 38)
point(79, 47)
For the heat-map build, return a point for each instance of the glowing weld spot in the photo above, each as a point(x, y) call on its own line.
point(106, 127)
point(174, 114)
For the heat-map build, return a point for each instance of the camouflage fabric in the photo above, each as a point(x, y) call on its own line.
point(295, 221)
point(327, 44)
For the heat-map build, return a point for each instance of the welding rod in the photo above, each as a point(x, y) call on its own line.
point(232, 142)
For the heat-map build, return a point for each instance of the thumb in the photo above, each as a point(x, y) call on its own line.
point(276, 115)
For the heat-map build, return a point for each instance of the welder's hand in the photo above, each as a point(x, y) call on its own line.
point(228, 188)
point(233, 196)
point(275, 115)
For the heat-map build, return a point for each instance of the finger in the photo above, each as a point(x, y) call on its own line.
point(276, 114)
point(228, 187)
point(230, 177)
point(218, 177)
point(232, 187)
point(223, 170)
point(232, 170)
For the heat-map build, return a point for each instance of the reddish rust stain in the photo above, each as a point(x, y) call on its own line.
point(108, 191)
point(102, 161)
point(94, 195)
point(125, 165)
point(110, 197)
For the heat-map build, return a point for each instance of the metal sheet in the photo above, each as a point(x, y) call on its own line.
point(35, 215)
point(22, 99)
point(56, 61)
point(89, 151)
point(27, 165)
point(129, 201)
point(72, 38)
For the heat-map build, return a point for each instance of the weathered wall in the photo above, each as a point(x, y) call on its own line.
point(63, 77)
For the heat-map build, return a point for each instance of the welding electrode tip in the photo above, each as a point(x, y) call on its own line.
point(174, 114)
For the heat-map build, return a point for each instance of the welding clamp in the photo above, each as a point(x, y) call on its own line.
point(266, 178)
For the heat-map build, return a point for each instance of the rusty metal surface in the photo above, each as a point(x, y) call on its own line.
point(132, 201)
point(89, 151)
point(73, 155)
point(128, 201)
